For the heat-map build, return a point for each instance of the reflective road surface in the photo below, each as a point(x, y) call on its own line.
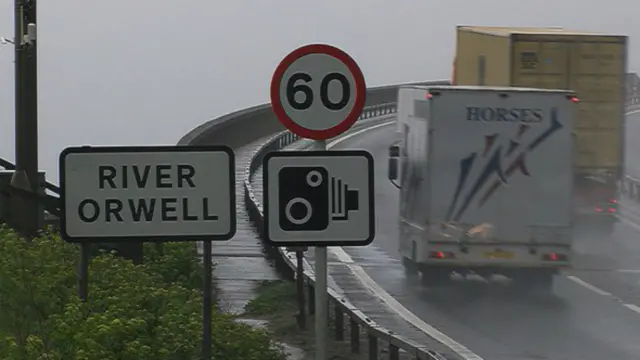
point(592, 314)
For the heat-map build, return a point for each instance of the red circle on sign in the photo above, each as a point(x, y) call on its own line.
point(358, 104)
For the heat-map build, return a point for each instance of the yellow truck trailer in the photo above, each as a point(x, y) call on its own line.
point(591, 64)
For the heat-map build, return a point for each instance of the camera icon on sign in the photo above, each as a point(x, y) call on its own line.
point(310, 198)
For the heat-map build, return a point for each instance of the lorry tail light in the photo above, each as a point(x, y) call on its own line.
point(574, 99)
point(612, 210)
point(598, 209)
point(554, 257)
point(431, 94)
point(613, 201)
point(442, 255)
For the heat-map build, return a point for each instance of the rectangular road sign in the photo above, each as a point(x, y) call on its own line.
point(148, 193)
point(319, 198)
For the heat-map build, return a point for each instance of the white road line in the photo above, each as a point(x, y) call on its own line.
point(632, 307)
point(599, 291)
point(405, 313)
point(593, 288)
point(378, 291)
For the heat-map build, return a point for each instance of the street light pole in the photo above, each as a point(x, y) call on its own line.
point(25, 209)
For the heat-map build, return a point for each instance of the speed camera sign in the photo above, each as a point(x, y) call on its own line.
point(318, 91)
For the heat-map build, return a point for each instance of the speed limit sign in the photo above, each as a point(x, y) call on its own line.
point(318, 91)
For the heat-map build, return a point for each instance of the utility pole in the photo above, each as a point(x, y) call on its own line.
point(25, 209)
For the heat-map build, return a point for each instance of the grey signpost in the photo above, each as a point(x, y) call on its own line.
point(318, 198)
point(149, 194)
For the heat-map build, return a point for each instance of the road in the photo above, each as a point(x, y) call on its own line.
point(592, 314)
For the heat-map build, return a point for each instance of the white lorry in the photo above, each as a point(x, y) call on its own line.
point(485, 177)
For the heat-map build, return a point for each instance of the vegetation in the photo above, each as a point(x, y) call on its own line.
point(149, 311)
point(276, 303)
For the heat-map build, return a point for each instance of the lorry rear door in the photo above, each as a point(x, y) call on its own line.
point(596, 73)
point(593, 66)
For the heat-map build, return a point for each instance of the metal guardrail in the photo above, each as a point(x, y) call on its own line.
point(339, 304)
point(247, 125)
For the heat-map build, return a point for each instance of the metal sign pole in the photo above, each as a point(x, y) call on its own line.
point(322, 306)
point(300, 95)
point(83, 271)
point(207, 301)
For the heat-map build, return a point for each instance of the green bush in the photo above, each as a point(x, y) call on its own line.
point(273, 297)
point(149, 311)
point(175, 262)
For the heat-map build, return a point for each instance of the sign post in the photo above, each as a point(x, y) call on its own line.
point(317, 92)
point(149, 194)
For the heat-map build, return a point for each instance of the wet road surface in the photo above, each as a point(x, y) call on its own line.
point(591, 315)
point(240, 263)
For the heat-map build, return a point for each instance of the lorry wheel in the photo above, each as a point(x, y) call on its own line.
point(435, 276)
point(410, 267)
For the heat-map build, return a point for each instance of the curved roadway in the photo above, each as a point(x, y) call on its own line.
point(593, 313)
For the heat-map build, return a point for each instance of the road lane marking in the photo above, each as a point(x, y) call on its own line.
point(593, 288)
point(599, 291)
point(379, 292)
point(632, 307)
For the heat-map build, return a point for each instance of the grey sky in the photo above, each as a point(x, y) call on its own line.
point(147, 71)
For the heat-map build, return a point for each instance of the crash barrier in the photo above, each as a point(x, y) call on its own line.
point(248, 125)
point(49, 205)
point(340, 309)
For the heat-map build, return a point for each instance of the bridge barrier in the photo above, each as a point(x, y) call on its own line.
point(248, 125)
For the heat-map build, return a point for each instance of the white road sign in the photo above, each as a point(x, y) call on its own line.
point(319, 198)
point(318, 91)
point(168, 193)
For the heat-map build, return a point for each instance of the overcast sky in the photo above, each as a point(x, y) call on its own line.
point(142, 72)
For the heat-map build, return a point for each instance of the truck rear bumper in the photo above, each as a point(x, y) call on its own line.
point(498, 265)
point(487, 270)
point(496, 256)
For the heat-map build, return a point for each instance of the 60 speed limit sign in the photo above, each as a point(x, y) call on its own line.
point(318, 91)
